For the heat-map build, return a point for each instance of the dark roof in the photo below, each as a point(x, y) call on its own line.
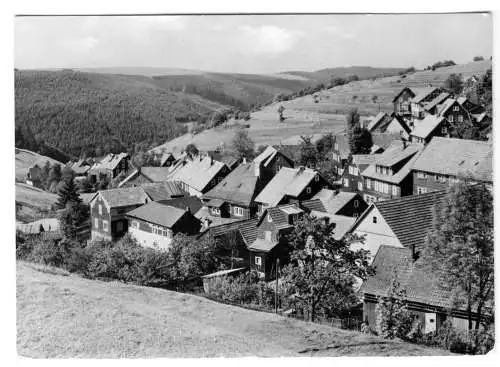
point(448, 156)
point(163, 190)
point(156, 174)
point(193, 203)
point(268, 155)
point(157, 213)
point(124, 196)
point(313, 204)
point(395, 153)
point(110, 161)
point(199, 172)
point(222, 229)
point(410, 217)
point(376, 121)
point(422, 93)
point(439, 99)
point(240, 186)
point(420, 284)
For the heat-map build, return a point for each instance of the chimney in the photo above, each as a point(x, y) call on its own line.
point(256, 169)
point(188, 209)
point(244, 160)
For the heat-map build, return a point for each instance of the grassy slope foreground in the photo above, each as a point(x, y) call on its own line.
point(68, 316)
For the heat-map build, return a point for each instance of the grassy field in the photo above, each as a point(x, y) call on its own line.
point(26, 159)
point(59, 315)
point(306, 117)
point(34, 196)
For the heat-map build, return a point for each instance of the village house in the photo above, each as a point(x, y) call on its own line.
point(446, 160)
point(427, 300)
point(111, 166)
point(342, 203)
point(428, 128)
point(80, 167)
point(34, 176)
point(389, 176)
point(455, 113)
point(352, 180)
point(267, 241)
point(200, 175)
point(471, 107)
point(431, 107)
point(234, 196)
point(398, 126)
point(145, 175)
point(423, 96)
point(402, 102)
point(168, 159)
point(291, 185)
point(272, 160)
point(108, 207)
point(402, 222)
point(155, 224)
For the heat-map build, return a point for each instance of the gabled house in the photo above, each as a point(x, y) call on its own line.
point(402, 102)
point(342, 203)
point(432, 106)
point(423, 96)
point(427, 299)
point(446, 160)
point(108, 207)
point(291, 185)
point(398, 126)
point(455, 113)
point(34, 176)
point(272, 160)
point(267, 242)
point(428, 128)
point(352, 180)
point(111, 166)
point(200, 175)
point(155, 224)
point(168, 159)
point(144, 175)
point(470, 106)
point(376, 123)
point(402, 222)
point(80, 167)
point(234, 196)
point(389, 176)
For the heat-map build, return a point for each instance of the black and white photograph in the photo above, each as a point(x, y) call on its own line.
point(214, 185)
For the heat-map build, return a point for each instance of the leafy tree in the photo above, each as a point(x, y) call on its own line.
point(334, 82)
point(85, 186)
point(478, 58)
point(191, 150)
point(454, 83)
point(322, 271)
point(325, 144)
point(360, 139)
point(55, 174)
point(308, 153)
point(459, 248)
point(242, 145)
point(393, 318)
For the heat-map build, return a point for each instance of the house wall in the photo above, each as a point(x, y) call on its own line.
point(351, 209)
point(99, 218)
point(375, 234)
point(430, 183)
point(395, 127)
point(148, 239)
point(453, 116)
point(402, 104)
point(247, 211)
point(316, 186)
point(351, 182)
point(277, 163)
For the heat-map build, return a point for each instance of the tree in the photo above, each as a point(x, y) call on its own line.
point(459, 248)
point(325, 144)
point(478, 58)
point(71, 218)
point(68, 194)
point(360, 139)
point(281, 109)
point(85, 185)
point(393, 318)
point(322, 270)
point(454, 83)
point(352, 78)
point(191, 150)
point(308, 153)
point(242, 145)
point(55, 174)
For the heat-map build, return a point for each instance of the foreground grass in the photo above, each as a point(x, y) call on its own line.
point(61, 315)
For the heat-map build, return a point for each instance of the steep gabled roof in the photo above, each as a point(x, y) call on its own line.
point(191, 203)
point(163, 190)
point(125, 196)
point(314, 205)
point(395, 153)
point(329, 201)
point(436, 101)
point(425, 127)
point(240, 186)
point(157, 213)
point(395, 178)
point(156, 174)
point(342, 222)
point(410, 217)
point(448, 156)
point(288, 181)
point(420, 284)
point(110, 161)
point(363, 160)
point(399, 120)
point(401, 91)
point(199, 172)
point(376, 121)
point(422, 93)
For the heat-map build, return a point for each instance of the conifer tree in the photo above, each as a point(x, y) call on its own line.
point(360, 139)
point(68, 194)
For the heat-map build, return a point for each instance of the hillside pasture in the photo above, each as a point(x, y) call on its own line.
point(26, 159)
point(62, 316)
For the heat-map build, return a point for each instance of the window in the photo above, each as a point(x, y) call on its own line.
point(386, 188)
point(444, 130)
point(308, 190)
point(105, 225)
point(421, 190)
point(346, 182)
point(316, 178)
point(360, 186)
point(100, 209)
point(258, 260)
point(351, 170)
point(422, 175)
point(460, 118)
point(368, 183)
point(356, 203)
point(336, 146)
point(238, 211)
point(374, 219)
point(443, 179)
point(395, 191)
point(450, 118)
point(96, 223)
point(436, 177)
point(135, 224)
point(216, 211)
point(455, 108)
point(268, 235)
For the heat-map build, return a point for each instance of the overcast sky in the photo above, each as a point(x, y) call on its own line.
point(251, 44)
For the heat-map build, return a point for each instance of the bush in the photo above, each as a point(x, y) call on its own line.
point(49, 252)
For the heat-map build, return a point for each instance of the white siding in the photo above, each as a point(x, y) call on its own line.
point(376, 234)
point(151, 240)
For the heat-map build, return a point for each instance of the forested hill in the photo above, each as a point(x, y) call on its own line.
point(91, 113)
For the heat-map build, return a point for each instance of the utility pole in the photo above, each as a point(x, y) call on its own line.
point(276, 291)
